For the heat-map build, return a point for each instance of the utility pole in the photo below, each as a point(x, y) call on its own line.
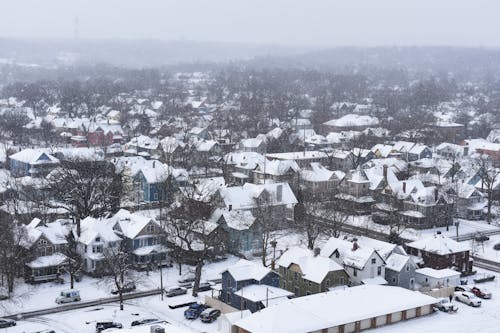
point(161, 280)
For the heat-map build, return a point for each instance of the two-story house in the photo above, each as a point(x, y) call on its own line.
point(363, 264)
point(143, 238)
point(47, 242)
point(439, 251)
point(319, 183)
point(304, 272)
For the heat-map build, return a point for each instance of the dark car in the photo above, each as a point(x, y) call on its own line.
point(194, 311)
point(496, 246)
point(204, 286)
point(144, 321)
point(4, 322)
point(127, 287)
point(176, 291)
point(103, 325)
point(481, 238)
point(209, 315)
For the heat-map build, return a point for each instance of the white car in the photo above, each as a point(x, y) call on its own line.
point(467, 298)
point(444, 304)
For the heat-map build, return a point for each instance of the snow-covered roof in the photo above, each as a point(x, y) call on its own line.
point(396, 262)
point(439, 244)
point(353, 120)
point(244, 160)
point(277, 167)
point(263, 293)
point(92, 228)
point(438, 273)
point(251, 142)
point(205, 145)
point(144, 142)
point(313, 313)
point(155, 171)
point(245, 197)
point(298, 155)
point(130, 224)
point(247, 270)
point(235, 219)
point(55, 259)
point(34, 156)
point(319, 173)
point(351, 255)
point(314, 268)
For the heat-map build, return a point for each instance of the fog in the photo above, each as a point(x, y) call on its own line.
point(288, 22)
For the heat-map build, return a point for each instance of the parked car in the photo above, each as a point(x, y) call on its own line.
point(204, 286)
point(467, 298)
point(176, 291)
point(463, 288)
point(144, 321)
point(194, 311)
point(481, 292)
point(103, 325)
point(209, 315)
point(444, 304)
point(481, 238)
point(496, 246)
point(4, 322)
point(126, 288)
point(68, 296)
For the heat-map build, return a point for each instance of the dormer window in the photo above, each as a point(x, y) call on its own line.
point(150, 228)
point(98, 239)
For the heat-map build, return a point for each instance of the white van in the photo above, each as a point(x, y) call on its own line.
point(68, 296)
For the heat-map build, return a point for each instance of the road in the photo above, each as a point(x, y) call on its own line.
point(81, 305)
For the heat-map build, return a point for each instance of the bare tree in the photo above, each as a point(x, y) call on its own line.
point(84, 188)
point(75, 262)
point(489, 178)
point(117, 265)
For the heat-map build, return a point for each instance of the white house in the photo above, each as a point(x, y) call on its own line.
point(436, 278)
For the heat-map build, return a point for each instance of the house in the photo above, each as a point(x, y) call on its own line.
point(439, 251)
point(418, 152)
point(355, 309)
point(277, 171)
point(32, 162)
point(350, 122)
point(95, 237)
point(144, 146)
point(362, 263)
point(274, 202)
point(142, 237)
point(303, 158)
point(256, 145)
point(355, 195)
point(341, 160)
point(47, 242)
point(239, 167)
point(437, 278)
point(256, 280)
point(243, 234)
point(469, 202)
point(304, 272)
point(400, 271)
point(152, 180)
point(451, 151)
point(319, 183)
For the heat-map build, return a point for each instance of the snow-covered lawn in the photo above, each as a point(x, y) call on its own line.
point(485, 250)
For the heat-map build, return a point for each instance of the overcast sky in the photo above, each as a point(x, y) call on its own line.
point(305, 22)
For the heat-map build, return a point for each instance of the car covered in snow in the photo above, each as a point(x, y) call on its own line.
point(144, 321)
point(104, 325)
point(209, 315)
point(68, 296)
point(194, 311)
point(126, 288)
point(467, 298)
point(481, 292)
point(176, 291)
point(444, 304)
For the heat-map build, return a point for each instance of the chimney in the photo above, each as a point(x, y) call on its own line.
point(279, 193)
point(385, 172)
point(317, 251)
point(436, 194)
point(230, 208)
point(404, 187)
point(154, 163)
point(355, 245)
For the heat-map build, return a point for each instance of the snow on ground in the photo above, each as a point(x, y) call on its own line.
point(485, 319)
point(485, 250)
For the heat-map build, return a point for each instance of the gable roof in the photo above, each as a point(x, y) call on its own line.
point(247, 270)
point(131, 224)
point(439, 244)
point(353, 258)
point(244, 197)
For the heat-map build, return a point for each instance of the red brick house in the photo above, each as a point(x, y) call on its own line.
point(441, 252)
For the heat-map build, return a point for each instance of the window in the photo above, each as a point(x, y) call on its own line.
point(355, 272)
point(156, 195)
point(297, 291)
point(295, 276)
point(150, 228)
point(337, 255)
point(393, 280)
point(98, 239)
point(327, 283)
point(341, 281)
point(374, 261)
point(42, 242)
point(379, 270)
point(284, 284)
point(309, 284)
point(97, 249)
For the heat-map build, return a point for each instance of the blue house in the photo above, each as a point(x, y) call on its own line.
point(32, 162)
point(419, 152)
point(251, 286)
point(152, 181)
point(243, 234)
